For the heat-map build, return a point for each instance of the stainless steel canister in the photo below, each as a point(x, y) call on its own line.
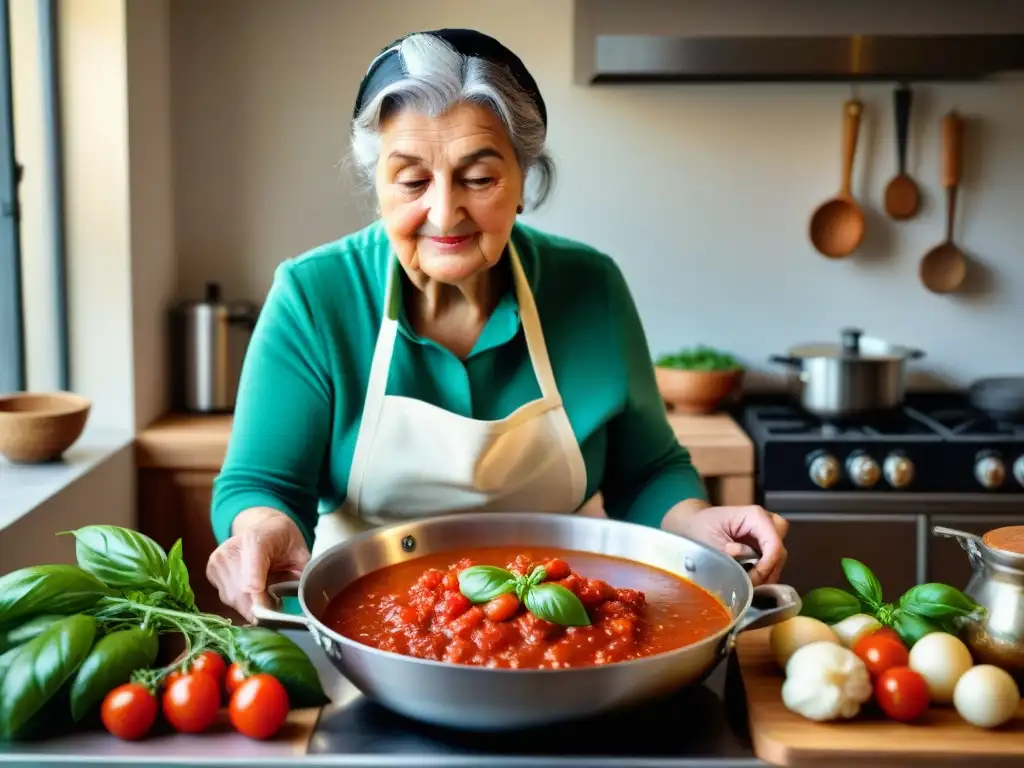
point(208, 342)
point(859, 375)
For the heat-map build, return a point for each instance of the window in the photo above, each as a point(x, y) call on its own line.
point(12, 341)
point(33, 328)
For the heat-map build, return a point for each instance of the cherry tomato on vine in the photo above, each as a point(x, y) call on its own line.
point(191, 702)
point(259, 706)
point(235, 677)
point(880, 653)
point(129, 711)
point(902, 693)
point(212, 663)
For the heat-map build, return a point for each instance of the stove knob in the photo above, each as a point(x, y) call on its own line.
point(863, 470)
point(1018, 469)
point(898, 470)
point(990, 472)
point(824, 471)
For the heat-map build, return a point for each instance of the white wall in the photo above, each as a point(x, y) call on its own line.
point(94, 106)
point(153, 256)
point(702, 193)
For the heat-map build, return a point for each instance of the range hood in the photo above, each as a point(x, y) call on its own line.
point(633, 58)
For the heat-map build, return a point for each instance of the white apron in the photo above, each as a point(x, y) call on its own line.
point(413, 459)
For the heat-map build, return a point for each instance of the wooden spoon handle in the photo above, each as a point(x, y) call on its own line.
point(902, 101)
point(851, 129)
point(952, 149)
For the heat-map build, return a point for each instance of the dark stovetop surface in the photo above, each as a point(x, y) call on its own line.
point(701, 726)
point(934, 416)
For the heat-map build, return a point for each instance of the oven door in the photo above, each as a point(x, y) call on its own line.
point(818, 541)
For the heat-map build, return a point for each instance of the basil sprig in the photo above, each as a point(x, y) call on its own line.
point(69, 634)
point(922, 609)
point(548, 601)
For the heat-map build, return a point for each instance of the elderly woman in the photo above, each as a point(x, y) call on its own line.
point(447, 357)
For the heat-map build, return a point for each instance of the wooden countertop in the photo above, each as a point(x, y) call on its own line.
point(718, 445)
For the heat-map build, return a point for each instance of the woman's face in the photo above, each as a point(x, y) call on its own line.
point(448, 189)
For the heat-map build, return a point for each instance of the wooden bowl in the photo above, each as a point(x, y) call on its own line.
point(696, 391)
point(38, 427)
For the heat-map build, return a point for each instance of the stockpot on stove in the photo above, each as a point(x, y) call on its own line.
point(478, 698)
point(859, 375)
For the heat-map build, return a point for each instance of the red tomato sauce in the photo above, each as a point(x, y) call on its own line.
point(416, 608)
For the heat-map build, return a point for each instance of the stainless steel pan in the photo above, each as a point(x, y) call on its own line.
point(481, 699)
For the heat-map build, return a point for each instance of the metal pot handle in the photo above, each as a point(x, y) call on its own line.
point(265, 615)
point(792, 362)
point(786, 604)
point(970, 543)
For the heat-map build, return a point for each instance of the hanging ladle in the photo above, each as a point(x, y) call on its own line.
point(837, 226)
point(944, 267)
point(902, 197)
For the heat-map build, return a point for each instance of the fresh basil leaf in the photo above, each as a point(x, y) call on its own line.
point(937, 601)
point(51, 720)
point(912, 628)
point(6, 660)
point(829, 604)
point(22, 632)
point(863, 581)
point(37, 589)
point(177, 578)
point(275, 654)
point(553, 602)
point(481, 583)
point(120, 557)
point(109, 664)
point(42, 666)
point(538, 575)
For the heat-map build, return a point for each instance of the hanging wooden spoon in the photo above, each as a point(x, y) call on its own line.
point(944, 267)
point(837, 226)
point(902, 197)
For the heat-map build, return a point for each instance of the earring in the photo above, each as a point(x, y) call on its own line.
point(519, 209)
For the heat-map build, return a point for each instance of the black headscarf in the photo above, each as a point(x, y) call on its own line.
point(387, 68)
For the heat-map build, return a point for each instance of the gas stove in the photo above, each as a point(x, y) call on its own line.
point(874, 488)
point(935, 444)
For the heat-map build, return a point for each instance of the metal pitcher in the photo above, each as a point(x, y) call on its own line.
point(206, 353)
point(997, 584)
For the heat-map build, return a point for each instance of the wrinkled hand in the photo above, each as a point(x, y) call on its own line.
point(265, 542)
point(741, 532)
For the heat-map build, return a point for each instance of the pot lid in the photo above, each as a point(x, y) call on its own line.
point(855, 346)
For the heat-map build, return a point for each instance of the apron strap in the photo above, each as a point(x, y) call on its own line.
point(532, 331)
point(376, 386)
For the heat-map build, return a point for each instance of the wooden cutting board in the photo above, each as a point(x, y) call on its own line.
point(940, 738)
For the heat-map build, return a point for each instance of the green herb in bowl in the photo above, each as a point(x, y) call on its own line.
point(699, 358)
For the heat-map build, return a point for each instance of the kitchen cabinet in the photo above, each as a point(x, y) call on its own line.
point(818, 541)
point(179, 456)
point(175, 504)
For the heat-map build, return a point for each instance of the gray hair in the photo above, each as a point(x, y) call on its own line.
point(439, 78)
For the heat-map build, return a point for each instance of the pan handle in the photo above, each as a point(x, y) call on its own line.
point(783, 603)
point(792, 362)
point(265, 615)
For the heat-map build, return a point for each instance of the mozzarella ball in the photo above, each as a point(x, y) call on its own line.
point(986, 696)
point(940, 658)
